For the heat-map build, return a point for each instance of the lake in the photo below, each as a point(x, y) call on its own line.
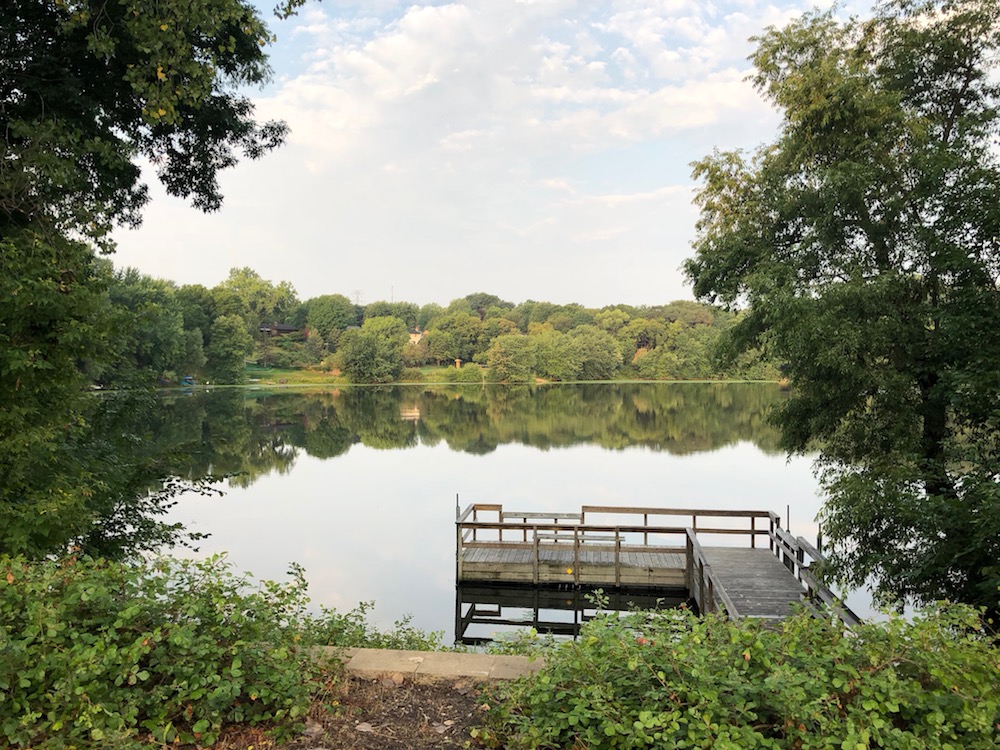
point(360, 485)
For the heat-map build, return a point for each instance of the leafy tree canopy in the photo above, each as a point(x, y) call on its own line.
point(405, 311)
point(88, 87)
point(374, 352)
point(330, 314)
point(600, 355)
point(228, 347)
point(511, 357)
point(866, 240)
point(258, 300)
point(481, 302)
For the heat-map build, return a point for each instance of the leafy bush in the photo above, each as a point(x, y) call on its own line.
point(411, 375)
point(173, 651)
point(353, 629)
point(673, 680)
point(467, 373)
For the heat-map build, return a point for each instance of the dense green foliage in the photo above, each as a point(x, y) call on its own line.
point(95, 653)
point(149, 337)
point(228, 347)
point(87, 90)
point(671, 679)
point(166, 332)
point(105, 489)
point(329, 315)
point(866, 240)
point(100, 654)
point(50, 305)
point(513, 357)
point(374, 352)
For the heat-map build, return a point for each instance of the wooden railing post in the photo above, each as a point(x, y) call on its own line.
point(576, 555)
point(618, 557)
point(753, 532)
point(534, 561)
point(701, 587)
point(689, 566)
point(458, 551)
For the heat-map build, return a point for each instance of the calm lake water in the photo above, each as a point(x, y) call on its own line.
point(359, 484)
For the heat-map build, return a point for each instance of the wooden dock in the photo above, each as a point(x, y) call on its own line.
point(753, 568)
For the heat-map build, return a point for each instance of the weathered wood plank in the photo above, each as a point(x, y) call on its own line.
point(756, 580)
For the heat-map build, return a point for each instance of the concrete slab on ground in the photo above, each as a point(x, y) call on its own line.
point(433, 665)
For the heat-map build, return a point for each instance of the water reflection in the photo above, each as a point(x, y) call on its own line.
point(483, 611)
point(254, 433)
point(359, 484)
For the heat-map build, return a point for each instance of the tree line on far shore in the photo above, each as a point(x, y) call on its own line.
point(164, 333)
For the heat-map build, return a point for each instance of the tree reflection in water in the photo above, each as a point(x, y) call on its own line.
point(254, 433)
point(358, 484)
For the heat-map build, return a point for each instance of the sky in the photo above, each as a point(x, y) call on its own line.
point(532, 149)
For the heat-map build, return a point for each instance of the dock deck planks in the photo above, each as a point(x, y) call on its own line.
point(756, 581)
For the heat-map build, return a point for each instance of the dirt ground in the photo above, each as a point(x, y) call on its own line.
point(390, 713)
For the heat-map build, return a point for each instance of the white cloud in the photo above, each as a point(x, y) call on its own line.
point(531, 149)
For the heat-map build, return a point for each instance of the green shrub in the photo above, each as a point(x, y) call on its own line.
point(467, 373)
point(673, 680)
point(113, 653)
point(330, 628)
point(117, 654)
point(411, 375)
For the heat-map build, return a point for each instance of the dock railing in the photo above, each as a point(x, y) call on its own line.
point(801, 557)
point(616, 528)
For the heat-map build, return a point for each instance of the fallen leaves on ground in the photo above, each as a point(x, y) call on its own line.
point(388, 713)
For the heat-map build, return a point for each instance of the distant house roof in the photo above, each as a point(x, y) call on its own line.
point(277, 328)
